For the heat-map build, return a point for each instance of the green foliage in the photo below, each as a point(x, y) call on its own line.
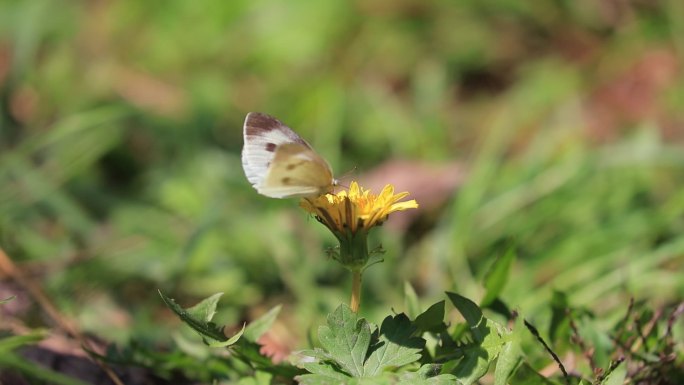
point(489, 340)
point(120, 137)
point(526, 375)
point(258, 327)
point(10, 360)
point(496, 278)
point(199, 318)
point(246, 349)
point(350, 345)
point(354, 351)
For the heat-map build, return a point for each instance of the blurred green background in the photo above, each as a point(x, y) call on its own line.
point(121, 132)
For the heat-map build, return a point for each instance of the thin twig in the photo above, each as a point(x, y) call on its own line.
point(643, 333)
point(679, 310)
point(41, 298)
point(613, 366)
point(624, 322)
point(586, 352)
point(553, 354)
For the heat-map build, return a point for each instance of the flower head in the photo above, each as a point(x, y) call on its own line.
point(350, 214)
point(357, 209)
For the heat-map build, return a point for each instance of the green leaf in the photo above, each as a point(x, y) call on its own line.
point(428, 375)
point(424, 376)
point(347, 339)
point(525, 375)
point(473, 366)
point(7, 299)
point(617, 376)
point(472, 314)
point(324, 369)
point(489, 339)
point(432, 319)
point(205, 309)
point(259, 326)
point(230, 341)
point(319, 379)
point(496, 278)
point(411, 301)
point(395, 347)
point(260, 378)
point(10, 360)
point(250, 353)
point(351, 349)
point(508, 360)
point(316, 354)
point(559, 315)
point(36, 372)
point(198, 317)
point(10, 343)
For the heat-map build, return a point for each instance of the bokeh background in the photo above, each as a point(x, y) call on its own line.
point(555, 127)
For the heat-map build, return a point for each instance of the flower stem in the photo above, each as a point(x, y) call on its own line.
point(356, 290)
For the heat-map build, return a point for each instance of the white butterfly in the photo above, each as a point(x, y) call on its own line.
point(280, 164)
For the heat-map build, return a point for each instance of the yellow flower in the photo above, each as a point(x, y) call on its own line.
point(350, 214)
point(357, 209)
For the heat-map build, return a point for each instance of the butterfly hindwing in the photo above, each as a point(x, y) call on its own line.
point(296, 171)
point(279, 163)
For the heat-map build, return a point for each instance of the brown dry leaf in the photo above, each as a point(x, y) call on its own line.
point(150, 93)
point(24, 104)
point(632, 96)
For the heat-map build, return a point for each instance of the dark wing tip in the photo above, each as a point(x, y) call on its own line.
point(261, 121)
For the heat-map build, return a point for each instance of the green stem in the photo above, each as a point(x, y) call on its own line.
point(356, 290)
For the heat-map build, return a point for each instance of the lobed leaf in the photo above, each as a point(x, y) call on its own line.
point(432, 319)
point(472, 314)
point(347, 339)
point(395, 346)
point(325, 370)
point(429, 375)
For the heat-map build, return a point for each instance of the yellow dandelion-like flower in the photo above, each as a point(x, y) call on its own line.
point(357, 209)
point(350, 215)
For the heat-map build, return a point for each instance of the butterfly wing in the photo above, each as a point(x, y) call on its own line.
point(296, 171)
point(262, 135)
point(280, 164)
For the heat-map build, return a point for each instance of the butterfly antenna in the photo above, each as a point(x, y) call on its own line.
point(346, 175)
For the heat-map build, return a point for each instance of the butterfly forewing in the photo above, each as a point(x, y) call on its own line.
point(280, 164)
point(262, 135)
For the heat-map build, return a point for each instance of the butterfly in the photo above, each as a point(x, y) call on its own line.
point(279, 163)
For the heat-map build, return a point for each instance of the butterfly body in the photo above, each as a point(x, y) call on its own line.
point(279, 163)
